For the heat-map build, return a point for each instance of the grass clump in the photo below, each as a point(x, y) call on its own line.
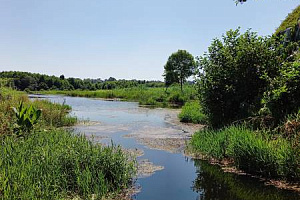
point(192, 113)
point(254, 152)
point(56, 164)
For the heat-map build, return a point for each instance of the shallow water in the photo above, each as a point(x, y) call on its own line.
point(182, 178)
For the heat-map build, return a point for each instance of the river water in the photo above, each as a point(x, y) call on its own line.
point(181, 178)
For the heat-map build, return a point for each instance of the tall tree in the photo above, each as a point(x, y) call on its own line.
point(179, 67)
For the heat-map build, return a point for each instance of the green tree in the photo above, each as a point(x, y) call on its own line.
point(179, 67)
point(230, 78)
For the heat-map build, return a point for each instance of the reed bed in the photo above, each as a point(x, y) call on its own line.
point(255, 152)
point(160, 97)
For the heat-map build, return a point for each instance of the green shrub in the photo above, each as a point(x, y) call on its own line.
point(230, 80)
point(56, 164)
point(283, 92)
point(192, 113)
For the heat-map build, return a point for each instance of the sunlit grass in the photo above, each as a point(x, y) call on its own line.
point(254, 152)
point(56, 164)
point(145, 96)
point(191, 112)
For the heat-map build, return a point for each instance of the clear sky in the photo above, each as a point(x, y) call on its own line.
point(121, 38)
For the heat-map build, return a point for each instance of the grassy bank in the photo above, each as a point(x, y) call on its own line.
point(192, 113)
point(144, 95)
point(50, 163)
point(255, 152)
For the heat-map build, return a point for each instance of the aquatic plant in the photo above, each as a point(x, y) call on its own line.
point(26, 117)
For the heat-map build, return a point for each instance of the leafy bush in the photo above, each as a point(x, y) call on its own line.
point(230, 80)
point(57, 165)
point(192, 112)
point(283, 92)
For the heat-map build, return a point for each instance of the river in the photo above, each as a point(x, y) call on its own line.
point(178, 177)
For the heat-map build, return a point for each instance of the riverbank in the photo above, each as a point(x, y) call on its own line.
point(44, 161)
point(158, 97)
point(238, 149)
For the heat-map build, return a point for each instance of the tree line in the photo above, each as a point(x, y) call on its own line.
point(35, 82)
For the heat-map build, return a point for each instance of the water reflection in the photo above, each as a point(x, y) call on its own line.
point(214, 184)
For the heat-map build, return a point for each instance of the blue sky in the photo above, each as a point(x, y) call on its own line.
point(121, 38)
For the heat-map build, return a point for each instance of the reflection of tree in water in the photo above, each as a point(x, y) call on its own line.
point(213, 184)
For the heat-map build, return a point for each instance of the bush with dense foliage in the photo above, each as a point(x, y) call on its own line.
point(230, 80)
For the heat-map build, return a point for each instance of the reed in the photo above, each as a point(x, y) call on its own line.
point(56, 164)
point(255, 152)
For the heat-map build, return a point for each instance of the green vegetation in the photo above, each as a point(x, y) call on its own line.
point(249, 90)
point(26, 81)
point(256, 152)
point(230, 80)
point(56, 164)
point(179, 67)
point(290, 21)
point(26, 117)
point(49, 162)
point(192, 113)
point(144, 95)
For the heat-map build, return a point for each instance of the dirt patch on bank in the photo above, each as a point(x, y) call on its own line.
point(172, 138)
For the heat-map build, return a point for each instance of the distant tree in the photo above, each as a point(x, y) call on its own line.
point(111, 79)
point(179, 67)
point(62, 77)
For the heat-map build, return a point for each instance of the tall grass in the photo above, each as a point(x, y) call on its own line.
point(144, 95)
point(51, 163)
point(192, 113)
point(55, 115)
point(253, 152)
point(57, 164)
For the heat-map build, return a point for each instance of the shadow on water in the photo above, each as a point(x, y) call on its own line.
point(214, 184)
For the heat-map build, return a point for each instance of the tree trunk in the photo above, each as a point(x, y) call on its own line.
point(181, 84)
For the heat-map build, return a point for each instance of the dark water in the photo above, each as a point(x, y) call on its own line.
point(182, 178)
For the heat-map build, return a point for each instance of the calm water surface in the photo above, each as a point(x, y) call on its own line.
point(182, 178)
